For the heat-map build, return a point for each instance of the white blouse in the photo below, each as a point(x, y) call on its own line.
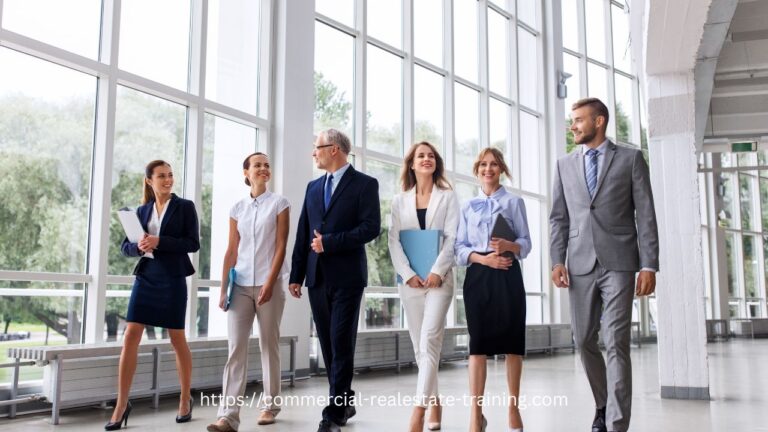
point(257, 225)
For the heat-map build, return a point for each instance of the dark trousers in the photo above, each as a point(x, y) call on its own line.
point(335, 311)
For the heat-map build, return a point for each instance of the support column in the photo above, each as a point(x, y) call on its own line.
point(683, 368)
point(293, 113)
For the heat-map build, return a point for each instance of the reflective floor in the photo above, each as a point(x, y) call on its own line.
point(556, 398)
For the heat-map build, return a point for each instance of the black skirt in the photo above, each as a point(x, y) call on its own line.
point(158, 300)
point(494, 301)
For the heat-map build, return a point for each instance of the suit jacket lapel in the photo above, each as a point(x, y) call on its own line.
point(145, 212)
point(172, 204)
point(434, 203)
point(345, 180)
point(609, 153)
point(579, 157)
point(408, 212)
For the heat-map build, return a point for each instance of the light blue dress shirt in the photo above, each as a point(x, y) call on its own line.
point(336, 178)
point(600, 158)
point(477, 219)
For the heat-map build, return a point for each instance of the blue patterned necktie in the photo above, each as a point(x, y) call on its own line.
point(592, 171)
point(328, 191)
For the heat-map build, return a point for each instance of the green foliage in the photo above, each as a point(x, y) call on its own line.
point(332, 107)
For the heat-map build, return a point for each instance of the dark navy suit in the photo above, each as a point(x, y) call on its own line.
point(159, 294)
point(337, 277)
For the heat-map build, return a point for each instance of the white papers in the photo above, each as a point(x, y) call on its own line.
point(132, 227)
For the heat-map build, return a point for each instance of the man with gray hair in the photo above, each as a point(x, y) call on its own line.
point(339, 216)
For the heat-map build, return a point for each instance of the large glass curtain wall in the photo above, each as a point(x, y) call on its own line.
point(90, 91)
point(461, 74)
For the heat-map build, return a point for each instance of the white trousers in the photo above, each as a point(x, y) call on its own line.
point(425, 310)
point(239, 325)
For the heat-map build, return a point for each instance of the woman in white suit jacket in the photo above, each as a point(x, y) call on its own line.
point(427, 202)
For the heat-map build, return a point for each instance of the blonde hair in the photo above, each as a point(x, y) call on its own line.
point(497, 154)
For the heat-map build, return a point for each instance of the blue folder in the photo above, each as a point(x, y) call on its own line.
point(230, 288)
point(422, 248)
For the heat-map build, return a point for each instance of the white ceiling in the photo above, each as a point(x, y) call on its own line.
point(739, 103)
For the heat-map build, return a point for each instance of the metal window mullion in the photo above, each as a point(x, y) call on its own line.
point(449, 113)
point(611, 102)
point(408, 119)
point(51, 53)
point(582, 31)
point(514, 148)
point(361, 53)
point(193, 160)
point(429, 66)
point(482, 51)
point(267, 58)
point(95, 300)
point(385, 46)
point(338, 25)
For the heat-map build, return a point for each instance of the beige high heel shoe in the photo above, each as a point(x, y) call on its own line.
point(435, 426)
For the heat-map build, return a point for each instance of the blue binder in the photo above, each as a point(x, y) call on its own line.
point(422, 248)
point(230, 288)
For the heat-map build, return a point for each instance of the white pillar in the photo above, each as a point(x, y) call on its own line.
point(683, 369)
point(291, 145)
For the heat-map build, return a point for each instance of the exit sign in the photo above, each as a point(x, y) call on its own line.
point(744, 146)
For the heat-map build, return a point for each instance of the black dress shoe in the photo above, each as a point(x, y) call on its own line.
point(328, 426)
point(112, 426)
point(349, 412)
point(188, 416)
point(598, 424)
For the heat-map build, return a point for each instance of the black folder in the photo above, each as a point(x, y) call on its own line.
point(502, 230)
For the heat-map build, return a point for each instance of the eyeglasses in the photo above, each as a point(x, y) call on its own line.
point(322, 146)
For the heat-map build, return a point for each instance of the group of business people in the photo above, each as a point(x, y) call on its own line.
point(602, 221)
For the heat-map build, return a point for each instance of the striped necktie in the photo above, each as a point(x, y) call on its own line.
point(592, 171)
point(328, 191)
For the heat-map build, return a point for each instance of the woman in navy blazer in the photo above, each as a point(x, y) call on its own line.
point(159, 294)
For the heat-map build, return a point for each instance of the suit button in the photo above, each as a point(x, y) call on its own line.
point(592, 207)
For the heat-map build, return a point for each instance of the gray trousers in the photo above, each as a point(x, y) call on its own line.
point(239, 327)
point(602, 300)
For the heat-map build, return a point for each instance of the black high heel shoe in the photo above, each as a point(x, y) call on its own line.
point(188, 416)
point(111, 426)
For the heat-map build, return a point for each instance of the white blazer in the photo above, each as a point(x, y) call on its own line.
point(442, 214)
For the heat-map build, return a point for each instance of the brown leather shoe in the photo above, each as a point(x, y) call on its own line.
point(266, 418)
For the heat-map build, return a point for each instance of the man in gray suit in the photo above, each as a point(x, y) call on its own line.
point(603, 219)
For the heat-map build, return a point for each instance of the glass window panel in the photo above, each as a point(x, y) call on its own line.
point(498, 53)
point(570, 22)
point(382, 310)
point(749, 247)
point(621, 51)
point(726, 217)
point(703, 197)
point(499, 125)
point(203, 309)
point(527, 12)
point(53, 317)
point(528, 68)
point(508, 5)
point(428, 107)
point(154, 40)
point(532, 264)
point(753, 310)
point(461, 314)
point(232, 57)
point(380, 270)
point(225, 146)
point(746, 159)
point(334, 79)
point(530, 153)
point(732, 261)
point(727, 160)
point(734, 311)
point(71, 25)
point(533, 310)
point(764, 203)
point(465, 39)
point(385, 102)
point(762, 160)
point(747, 201)
point(385, 21)
point(595, 25)
point(707, 270)
point(765, 258)
point(46, 141)
point(465, 191)
point(428, 30)
point(597, 86)
point(146, 128)
point(342, 11)
point(571, 65)
point(467, 128)
point(625, 108)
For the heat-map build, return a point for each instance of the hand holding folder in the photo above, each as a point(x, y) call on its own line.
point(230, 288)
point(132, 227)
point(421, 247)
point(502, 230)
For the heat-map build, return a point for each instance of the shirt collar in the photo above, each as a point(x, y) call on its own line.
point(259, 199)
point(339, 172)
point(600, 149)
point(500, 192)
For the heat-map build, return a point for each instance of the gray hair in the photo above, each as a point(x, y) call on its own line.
point(337, 137)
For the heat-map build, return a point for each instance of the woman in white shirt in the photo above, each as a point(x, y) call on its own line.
point(427, 202)
point(258, 233)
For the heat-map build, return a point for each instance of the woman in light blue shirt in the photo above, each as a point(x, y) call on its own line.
point(494, 295)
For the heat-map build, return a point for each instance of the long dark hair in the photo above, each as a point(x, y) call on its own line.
point(247, 163)
point(149, 194)
point(408, 177)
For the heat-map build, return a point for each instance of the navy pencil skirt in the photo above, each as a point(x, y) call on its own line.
point(158, 300)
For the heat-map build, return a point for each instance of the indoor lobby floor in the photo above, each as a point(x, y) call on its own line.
point(555, 391)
